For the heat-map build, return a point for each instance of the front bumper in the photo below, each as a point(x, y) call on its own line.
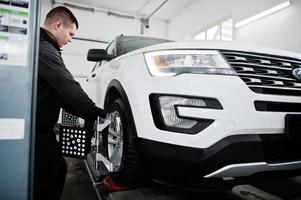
point(242, 151)
point(238, 116)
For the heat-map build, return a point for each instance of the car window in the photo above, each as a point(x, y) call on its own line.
point(131, 43)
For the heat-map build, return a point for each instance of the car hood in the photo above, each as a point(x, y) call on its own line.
point(217, 45)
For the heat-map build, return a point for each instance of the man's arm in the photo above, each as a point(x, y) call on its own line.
point(52, 69)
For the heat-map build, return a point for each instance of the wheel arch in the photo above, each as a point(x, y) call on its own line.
point(115, 90)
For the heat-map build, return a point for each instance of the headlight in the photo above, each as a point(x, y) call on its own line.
point(174, 62)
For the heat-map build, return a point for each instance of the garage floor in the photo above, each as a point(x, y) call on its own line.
point(78, 185)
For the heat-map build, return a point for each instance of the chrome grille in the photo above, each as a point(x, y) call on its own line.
point(266, 74)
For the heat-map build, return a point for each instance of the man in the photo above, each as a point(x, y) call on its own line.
point(56, 89)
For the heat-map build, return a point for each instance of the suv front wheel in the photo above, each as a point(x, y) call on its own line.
point(120, 147)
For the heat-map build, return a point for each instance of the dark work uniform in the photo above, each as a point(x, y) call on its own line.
point(56, 89)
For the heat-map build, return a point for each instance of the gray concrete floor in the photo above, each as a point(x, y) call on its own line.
point(78, 185)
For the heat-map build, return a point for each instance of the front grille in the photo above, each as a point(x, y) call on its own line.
point(280, 148)
point(266, 74)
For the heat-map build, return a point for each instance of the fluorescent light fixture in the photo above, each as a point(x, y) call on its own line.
point(263, 14)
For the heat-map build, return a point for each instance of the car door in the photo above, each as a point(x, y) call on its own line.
point(91, 82)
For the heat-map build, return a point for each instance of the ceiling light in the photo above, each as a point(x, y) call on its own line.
point(263, 14)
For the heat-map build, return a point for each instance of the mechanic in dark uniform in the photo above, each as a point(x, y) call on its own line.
point(56, 89)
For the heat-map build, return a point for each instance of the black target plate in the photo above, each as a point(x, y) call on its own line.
point(74, 142)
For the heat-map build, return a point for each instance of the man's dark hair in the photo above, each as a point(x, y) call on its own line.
point(62, 13)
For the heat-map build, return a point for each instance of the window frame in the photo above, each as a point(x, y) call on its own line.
point(220, 29)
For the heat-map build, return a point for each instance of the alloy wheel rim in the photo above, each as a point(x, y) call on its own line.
point(115, 141)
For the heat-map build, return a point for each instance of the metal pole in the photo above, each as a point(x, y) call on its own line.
point(145, 21)
point(97, 142)
point(156, 9)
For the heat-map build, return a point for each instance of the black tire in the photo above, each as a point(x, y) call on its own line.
point(130, 172)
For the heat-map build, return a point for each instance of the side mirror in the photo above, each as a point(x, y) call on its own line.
point(98, 55)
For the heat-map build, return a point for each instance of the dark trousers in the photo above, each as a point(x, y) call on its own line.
point(50, 168)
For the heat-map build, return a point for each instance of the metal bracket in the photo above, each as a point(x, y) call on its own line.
point(101, 125)
point(104, 123)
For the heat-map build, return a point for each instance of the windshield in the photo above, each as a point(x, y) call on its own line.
point(131, 43)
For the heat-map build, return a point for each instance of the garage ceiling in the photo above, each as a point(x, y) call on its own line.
point(139, 7)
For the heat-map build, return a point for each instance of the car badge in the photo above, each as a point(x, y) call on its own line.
point(297, 73)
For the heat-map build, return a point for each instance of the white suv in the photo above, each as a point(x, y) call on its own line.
point(197, 110)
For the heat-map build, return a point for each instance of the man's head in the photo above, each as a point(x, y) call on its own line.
point(61, 22)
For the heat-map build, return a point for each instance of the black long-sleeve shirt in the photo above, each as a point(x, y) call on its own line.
point(57, 88)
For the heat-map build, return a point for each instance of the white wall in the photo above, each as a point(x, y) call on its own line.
point(279, 30)
point(204, 13)
point(99, 26)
